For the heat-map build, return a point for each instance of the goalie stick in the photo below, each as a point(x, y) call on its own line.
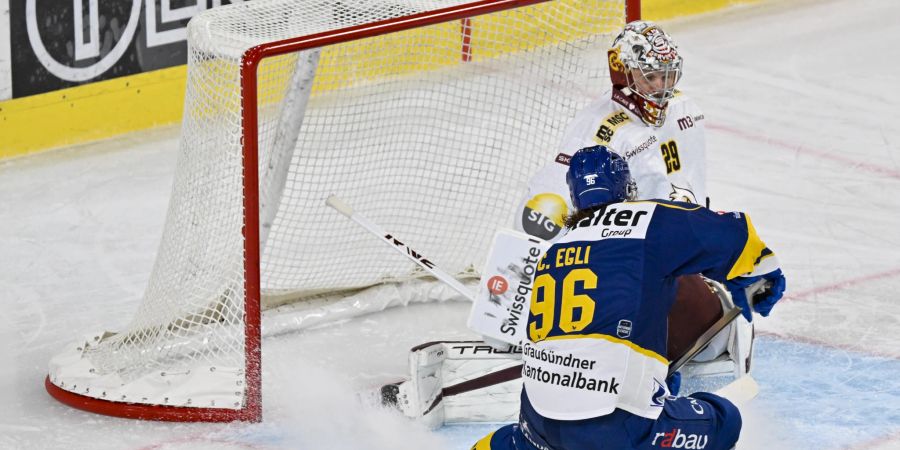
point(395, 243)
point(420, 259)
point(705, 339)
point(511, 251)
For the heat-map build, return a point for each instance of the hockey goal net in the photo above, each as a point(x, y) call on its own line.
point(429, 116)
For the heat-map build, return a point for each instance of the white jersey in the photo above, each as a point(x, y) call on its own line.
point(668, 162)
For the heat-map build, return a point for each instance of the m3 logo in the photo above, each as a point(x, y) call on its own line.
point(685, 123)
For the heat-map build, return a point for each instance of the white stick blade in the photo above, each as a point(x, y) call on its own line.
point(740, 391)
point(338, 204)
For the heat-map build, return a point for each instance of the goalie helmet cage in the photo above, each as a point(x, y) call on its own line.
point(428, 115)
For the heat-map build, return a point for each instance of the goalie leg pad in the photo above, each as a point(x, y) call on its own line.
point(459, 382)
point(697, 307)
point(731, 351)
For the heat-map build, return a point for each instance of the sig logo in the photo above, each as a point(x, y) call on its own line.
point(543, 215)
point(677, 439)
point(497, 285)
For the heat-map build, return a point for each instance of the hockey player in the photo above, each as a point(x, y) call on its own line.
point(594, 371)
point(659, 131)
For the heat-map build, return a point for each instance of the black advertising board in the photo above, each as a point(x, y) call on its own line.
point(63, 43)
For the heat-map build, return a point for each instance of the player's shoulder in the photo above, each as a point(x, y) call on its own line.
point(673, 204)
point(615, 126)
point(667, 212)
point(660, 207)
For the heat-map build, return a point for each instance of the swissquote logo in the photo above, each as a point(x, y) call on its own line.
point(518, 310)
point(677, 439)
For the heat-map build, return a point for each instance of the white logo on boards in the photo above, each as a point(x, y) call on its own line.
point(87, 47)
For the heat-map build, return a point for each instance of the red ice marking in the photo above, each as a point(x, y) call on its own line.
point(826, 344)
point(849, 162)
point(893, 438)
point(196, 440)
point(840, 285)
point(801, 295)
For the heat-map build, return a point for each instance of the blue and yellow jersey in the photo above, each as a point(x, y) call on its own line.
point(597, 324)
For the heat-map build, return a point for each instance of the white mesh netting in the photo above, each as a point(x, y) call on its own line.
point(432, 142)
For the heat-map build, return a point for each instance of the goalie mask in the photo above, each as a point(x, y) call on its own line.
point(597, 176)
point(644, 67)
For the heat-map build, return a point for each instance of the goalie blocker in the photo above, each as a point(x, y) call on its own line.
point(473, 381)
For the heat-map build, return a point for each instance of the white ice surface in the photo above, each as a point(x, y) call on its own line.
point(801, 105)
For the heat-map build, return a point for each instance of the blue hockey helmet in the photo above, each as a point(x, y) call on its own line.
point(596, 176)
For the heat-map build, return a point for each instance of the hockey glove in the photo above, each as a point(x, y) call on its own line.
point(762, 290)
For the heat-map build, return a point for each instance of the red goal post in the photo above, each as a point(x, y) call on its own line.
point(95, 376)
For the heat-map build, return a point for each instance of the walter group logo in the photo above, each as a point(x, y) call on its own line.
point(544, 215)
point(63, 43)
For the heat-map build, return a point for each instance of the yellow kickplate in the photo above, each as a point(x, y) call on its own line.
point(91, 112)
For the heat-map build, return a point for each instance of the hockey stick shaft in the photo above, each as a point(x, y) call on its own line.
point(395, 243)
point(704, 338)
